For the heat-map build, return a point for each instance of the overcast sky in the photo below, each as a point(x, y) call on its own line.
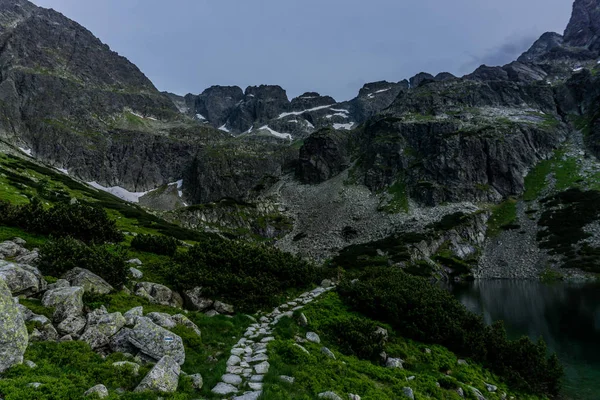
point(329, 46)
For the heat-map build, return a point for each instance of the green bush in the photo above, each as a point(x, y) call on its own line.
point(86, 223)
point(162, 245)
point(61, 255)
point(421, 311)
point(356, 336)
point(247, 275)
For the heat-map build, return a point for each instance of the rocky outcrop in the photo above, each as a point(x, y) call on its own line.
point(158, 294)
point(89, 281)
point(162, 378)
point(67, 302)
point(324, 155)
point(156, 342)
point(583, 29)
point(22, 279)
point(13, 333)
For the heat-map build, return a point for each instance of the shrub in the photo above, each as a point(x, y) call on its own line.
point(162, 245)
point(357, 336)
point(250, 276)
point(424, 312)
point(61, 255)
point(84, 222)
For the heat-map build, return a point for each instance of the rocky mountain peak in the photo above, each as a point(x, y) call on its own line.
point(546, 42)
point(416, 80)
point(267, 92)
point(584, 27)
point(310, 100)
point(14, 11)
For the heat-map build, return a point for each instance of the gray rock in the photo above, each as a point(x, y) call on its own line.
point(163, 378)
point(47, 333)
point(156, 341)
point(302, 320)
point(249, 396)
point(490, 388)
point(262, 368)
point(135, 261)
point(13, 333)
point(232, 379)
point(328, 352)
point(158, 294)
point(135, 273)
point(353, 397)
point(462, 362)
point(34, 385)
point(72, 325)
point(120, 343)
point(27, 257)
point(30, 364)
point(287, 379)
point(408, 392)
point(329, 395)
point(195, 301)
point(10, 249)
point(132, 315)
point(61, 283)
point(313, 337)
point(223, 388)
point(477, 393)
point(19, 241)
point(66, 302)
point(99, 391)
point(326, 283)
point(223, 308)
point(182, 320)
point(22, 279)
point(133, 367)
point(89, 281)
point(394, 363)
point(460, 392)
point(108, 324)
point(233, 360)
point(162, 319)
point(212, 313)
point(197, 381)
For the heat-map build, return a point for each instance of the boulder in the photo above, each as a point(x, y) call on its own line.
point(72, 325)
point(135, 273)
point(163, 378)
point(313, 337)
point(119, 343)
point(328, 353)
point(158, 294)
point(329, 396)
point(135, 261)
point(162, 319)
point(156, 341)
point(182, 320)
point(10, 249)
point(47, 333)
point(19, 241)
point(408, 392)
point(195, 301)
point(66, 302)
point(223, 308)
point(22, 279)
point(89, 281)
point(132, 315)
point(61, 283)
point(197, 381)
point(302, 320)
point(13, 333)
point(287, 379)
point(99, 391)
point(394, 363)
point(101, 327)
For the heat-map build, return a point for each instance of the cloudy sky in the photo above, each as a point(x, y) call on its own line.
point(329, 46)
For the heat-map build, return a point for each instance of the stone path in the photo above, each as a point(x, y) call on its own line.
point(249, 362)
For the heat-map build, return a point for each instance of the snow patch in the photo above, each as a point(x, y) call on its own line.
point(250, 130)
point(383, 90)
point(577, 69)
point(26, 151)
point(63, 170)
point(311, 126)
point(347, 126)
point(224, 128)
point(277, 134)
point(132, 197)
point(337, 115)
point(200, 117)
point(294, 121)
point(286, 114)
point(340, 110)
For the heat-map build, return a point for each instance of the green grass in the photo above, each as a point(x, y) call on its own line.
point(535, 181)
point(314, 373)
point(564, 169)
point(503, 217)
point(399, 201)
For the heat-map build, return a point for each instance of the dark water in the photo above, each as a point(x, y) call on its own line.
point(566, 315)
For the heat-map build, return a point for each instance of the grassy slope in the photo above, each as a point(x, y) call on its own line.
point(315, 373)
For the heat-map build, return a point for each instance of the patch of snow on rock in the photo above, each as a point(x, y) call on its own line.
point(347, 126)
point(224, 128)
point(132, 197)
point(26, 151)
point(286, 114)
point(200, 117)
point(277, 134)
